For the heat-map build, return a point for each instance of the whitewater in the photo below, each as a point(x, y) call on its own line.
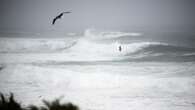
point(90, 71)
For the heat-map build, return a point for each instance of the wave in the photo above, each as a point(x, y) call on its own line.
point(42, 45)
point(157, 51)
point(139, 51)
point(134, 51)
point(93, 34)
point(88, 48)
point(158, 48)
point(19, 45)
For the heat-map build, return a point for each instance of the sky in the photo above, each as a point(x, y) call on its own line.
point(122, 15)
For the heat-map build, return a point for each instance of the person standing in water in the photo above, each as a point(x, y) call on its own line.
point(120, 48)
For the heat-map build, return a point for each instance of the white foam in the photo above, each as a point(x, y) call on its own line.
point(19, 45)
point(94, 34)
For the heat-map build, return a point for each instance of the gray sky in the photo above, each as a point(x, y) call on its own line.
point(127, 15)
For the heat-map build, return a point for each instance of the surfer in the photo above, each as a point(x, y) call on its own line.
point(59, 16)
point(120, 48)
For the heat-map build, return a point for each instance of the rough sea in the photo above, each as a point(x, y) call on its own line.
point(148, 72)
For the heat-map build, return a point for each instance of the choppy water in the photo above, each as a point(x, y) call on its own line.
point(100, 46)
point(91, 72)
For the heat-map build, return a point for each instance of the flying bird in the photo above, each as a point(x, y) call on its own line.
point(59, 16)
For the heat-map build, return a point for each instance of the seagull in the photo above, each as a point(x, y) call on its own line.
point(59, 16)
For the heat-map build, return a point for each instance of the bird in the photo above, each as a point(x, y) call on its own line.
point(59, 16)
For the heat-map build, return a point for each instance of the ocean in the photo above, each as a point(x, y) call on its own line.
point(92, 72)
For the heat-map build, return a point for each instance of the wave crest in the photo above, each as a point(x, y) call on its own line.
point(88, 48)
point(97, 35)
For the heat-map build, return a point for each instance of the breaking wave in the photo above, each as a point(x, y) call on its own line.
point(157, 51)
point(91, 46)
point(134, 51)
point(34, 45)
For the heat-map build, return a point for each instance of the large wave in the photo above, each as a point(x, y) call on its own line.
point(91, 46)
point(157, 51)
point(139, 51)
point(134, 51)
point(22, 45)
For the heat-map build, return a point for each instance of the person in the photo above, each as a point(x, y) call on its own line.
point(120, 48)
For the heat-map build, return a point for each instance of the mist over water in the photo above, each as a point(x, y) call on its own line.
point(102, 46)
point(92, 71)
point(104, 55)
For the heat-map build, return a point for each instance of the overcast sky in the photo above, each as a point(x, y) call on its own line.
point(37, 15)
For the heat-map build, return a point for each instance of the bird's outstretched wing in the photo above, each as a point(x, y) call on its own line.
point(66, 12)
point(59, 16)
point(54, 20)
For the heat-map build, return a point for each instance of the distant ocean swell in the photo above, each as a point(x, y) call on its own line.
point(155, 51)
point(87, 46)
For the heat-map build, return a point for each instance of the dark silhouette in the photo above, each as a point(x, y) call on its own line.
point(120, 48)
point(59, 16)
point(11, 104)
point(54, 105)
point(1, 67)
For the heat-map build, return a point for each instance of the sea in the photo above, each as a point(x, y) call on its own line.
point(101, 70)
